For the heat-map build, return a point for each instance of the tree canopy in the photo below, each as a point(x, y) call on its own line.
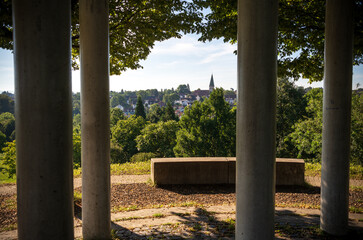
point(6, 104)
point(158, 138)
point(134, 27)
point(140, 109)
point(300, 33)
point(207, 129)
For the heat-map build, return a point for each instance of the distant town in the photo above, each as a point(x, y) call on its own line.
point(179, 98)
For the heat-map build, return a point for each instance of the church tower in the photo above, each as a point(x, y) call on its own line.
point(211, 84)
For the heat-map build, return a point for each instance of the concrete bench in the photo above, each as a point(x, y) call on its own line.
point(217, 170)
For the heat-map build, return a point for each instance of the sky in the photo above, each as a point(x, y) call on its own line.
point(171, 63)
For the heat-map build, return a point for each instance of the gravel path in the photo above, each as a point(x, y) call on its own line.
point(10, 189)
point(118, 179)
point(316, 181)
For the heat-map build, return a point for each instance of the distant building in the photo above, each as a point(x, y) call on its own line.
point(211, 84)
point(199, 94)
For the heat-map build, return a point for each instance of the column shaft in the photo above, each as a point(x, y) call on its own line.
point(95, 119)
point(336, 117)
point(256, 110)
point(43, 119)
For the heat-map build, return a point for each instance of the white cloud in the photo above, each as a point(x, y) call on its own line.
point(222, 51)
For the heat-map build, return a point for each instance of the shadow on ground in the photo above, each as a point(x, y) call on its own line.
point(203, 225)
point(199, 225)
point(231, 188)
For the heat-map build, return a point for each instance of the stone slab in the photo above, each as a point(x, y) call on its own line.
point(217, 170)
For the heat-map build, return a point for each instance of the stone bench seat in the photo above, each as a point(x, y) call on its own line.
point(217, 170)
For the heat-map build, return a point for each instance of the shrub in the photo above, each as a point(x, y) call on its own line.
point(117, 155)
point(9, 159)
point(142, 157)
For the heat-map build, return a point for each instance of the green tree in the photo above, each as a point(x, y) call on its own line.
point(125, 132)
point(140, 109)
point(207, 128)
point(77, 153)
point(158, 138)
point(357, 129)
point(183, 89)
point(170, 97)
point(6, 104)
point(76, 103)
point(134, 27)
point(307, 134)
point(290, 109)
point(116, 115)
point(8, 160)
point(2, 141)
point(77, 122)
point(155, 113)
point(300, 33)
point(118, 99)
point(169, 113)
point(7, 125)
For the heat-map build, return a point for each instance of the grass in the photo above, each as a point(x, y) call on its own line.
point(298, 205)
point(355, 210)
point(124, 209)
point(129, 168)
point(77, 196)
point(116, 209)
point(158, 215)
point(4, 178)
point(289, 231)
point(9, 227)
point(137, 168)
point(314, 169)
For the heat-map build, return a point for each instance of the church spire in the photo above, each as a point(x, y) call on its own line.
point(211, 84)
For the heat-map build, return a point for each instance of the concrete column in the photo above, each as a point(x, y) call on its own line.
point(336, 116)
point(256, 110)
point(43, 119)
point(95, 119)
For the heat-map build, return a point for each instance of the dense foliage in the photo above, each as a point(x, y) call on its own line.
point(140, 109)
point(207, 128)
point(8, 160)
point(300, 33)
point(134, 27)
point(124, 134)
point(158, 138)
point(357, 129)
point(7, 126)
point(290, 108)
point(307, 132)
point(6, 104)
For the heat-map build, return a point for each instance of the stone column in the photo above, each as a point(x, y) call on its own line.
point(336, 117)
point(42, 58)
point(256, 110)
point(95, 112)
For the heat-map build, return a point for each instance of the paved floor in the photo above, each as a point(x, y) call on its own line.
point(213, 222)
